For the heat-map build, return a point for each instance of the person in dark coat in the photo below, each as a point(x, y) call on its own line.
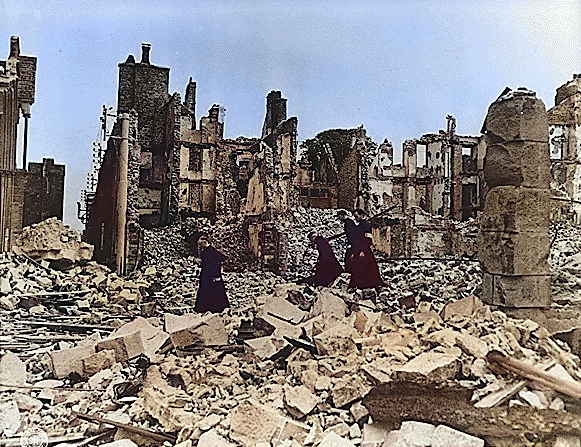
point(327, 268)
point(350, 229)
point(364, 270)
point(211, 291)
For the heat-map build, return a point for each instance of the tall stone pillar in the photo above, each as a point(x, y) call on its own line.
point(513, 242)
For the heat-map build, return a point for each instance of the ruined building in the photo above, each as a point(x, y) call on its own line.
point(178, 168)
point(565, 144)
point(26, 196)
point(440, 173)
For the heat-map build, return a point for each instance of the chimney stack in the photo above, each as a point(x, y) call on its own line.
point(14, 46)
point(145, 48)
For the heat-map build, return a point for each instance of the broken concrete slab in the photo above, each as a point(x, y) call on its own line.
point(266, 347)
point(280, 307)
point(332, 439)
point(196, 330)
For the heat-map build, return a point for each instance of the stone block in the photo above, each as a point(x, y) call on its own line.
point(332, 439)
point(253, 423)
point(213, 439)
point(282, 308)
point(517, 291)
point(349, 389)
point(468, 306)
point(516, 209)
point(70, 360)
point(445, 436)
point(431, 366)
point(266, 347)
point(152, 337)
point(126, 346)
point(504, 253)
point(337, 340)
point(196, 329)
point(472, 345)
point(299, 400)
point(375, 434)
point(522, 117)
point(159, 400)
point(518, 163)
point(97, 362)
point(12, 370)
point(417, 434)
point(329, 305)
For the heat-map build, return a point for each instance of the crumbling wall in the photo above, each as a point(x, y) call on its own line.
point(565, 144)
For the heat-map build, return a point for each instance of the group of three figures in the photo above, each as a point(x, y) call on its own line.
point(359, 259)
point(359, 262)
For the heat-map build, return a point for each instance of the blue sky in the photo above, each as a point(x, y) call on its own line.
point(397, 67)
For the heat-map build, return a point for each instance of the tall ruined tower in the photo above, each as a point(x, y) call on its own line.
point(275, 112)
point(144, 88)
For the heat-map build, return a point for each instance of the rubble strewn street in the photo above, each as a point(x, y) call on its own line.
point(90, 357)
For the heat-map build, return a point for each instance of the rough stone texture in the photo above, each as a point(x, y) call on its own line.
point(431, 365)
point(348, 389)
point(334, 440)
point(97, 362)
point(213, 439)
point(448, 437)
point(51, 241)
point(517, 291)
point(12, 370)
point(513, 242)
point(522, 253)
point(508, 209)
point(70, 360)
point(126, 346)
point(253, 423)
point(299, 400)
point(159, 400)
point(195, 329)
point(329, 305)
point(417, 434)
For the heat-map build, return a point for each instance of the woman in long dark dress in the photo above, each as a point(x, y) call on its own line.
point(364, 270)
point(327, 268)
point(211, 292)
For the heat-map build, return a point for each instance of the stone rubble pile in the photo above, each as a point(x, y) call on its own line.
point(50, 240)
point(129, 350)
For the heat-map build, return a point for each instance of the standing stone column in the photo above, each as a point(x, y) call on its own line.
point(513, 242)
